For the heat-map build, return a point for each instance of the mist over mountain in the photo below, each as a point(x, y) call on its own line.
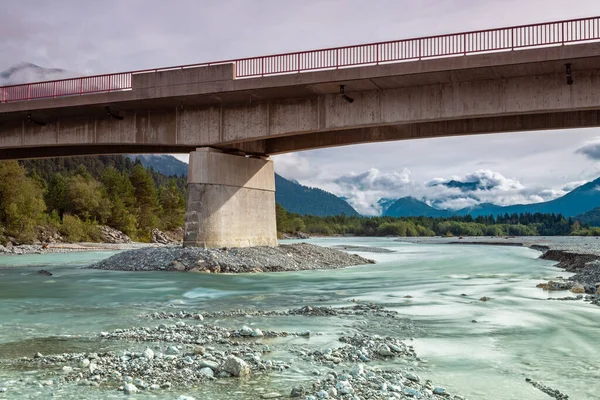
point(25, 72)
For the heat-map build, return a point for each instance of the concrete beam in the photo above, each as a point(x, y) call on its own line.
point(520, 123)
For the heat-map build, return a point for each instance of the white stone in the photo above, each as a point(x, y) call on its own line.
point(235, 366)
point(321, 394)
point(246, 331)
point(172, 351)
point(180, 323)
point(344, 387)
point(148, 353)
point(257, 333)
point(130, 388)
point(439, 390)
point(412, 392)
point(357, 370)
point(412, 376)
point(272, 395)
point(207, 371)
point(84, 363)
point(182, 397)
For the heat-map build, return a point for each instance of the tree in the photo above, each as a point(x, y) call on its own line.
point(173, 206)
point(146, 200)
point(21, 202)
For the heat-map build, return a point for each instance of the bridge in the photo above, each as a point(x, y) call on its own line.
point(231, 115)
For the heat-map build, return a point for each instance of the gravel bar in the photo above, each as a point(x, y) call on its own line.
point(287, 257)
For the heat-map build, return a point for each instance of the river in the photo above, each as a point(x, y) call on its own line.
point(517, 333)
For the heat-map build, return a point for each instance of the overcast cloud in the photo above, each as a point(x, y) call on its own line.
point(117, 35)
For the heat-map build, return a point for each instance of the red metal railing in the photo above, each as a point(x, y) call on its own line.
point(457, 44)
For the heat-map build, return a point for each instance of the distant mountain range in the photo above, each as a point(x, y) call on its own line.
point(578, 201)
point(293, 196)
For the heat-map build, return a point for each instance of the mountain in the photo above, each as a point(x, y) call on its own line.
point(578, 201)
point(411, 207)
point(27, 72)
point(304, 200)
point(591, 217)
point(163, 163)
point(575, 203)
point(293, 196)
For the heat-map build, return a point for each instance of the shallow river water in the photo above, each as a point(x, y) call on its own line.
point(517, 333)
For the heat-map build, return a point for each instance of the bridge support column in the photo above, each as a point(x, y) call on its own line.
point(230, 201)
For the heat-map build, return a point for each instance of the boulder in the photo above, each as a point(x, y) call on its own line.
point(235, 366)
point(112, 235)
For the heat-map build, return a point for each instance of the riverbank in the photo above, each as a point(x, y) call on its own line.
point(62, 248)
point(286, 257)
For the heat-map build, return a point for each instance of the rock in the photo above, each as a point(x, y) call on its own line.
point(208, 364)
point(297, 391)
point(183, 397)
point(111, 235)
point(179, 323)
point(235, 366)
point(384, 350)
point(272, 395)
point(84, 363)
point(578, 288)
point(2, 389)
point(130, 388)
point(172, 351)
point(38, 355)
point(257, 333)
point(321, 394)
point(411, 376)
point(304, 333)
point(412, 392)
point(344, 387)
point(357, 370)
point(44, 272)
point(47, 382)
point(246, 331)
point(207, 372)
point(161, 238)
point(67, 370)
point(148, 353)
point(439, 390)
point(484, 298)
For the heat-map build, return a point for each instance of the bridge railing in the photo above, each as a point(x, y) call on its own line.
point(457, 44)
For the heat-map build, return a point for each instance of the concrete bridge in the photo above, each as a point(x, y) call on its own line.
point(231, 115)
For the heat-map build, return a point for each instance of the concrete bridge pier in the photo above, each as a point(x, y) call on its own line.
point(231, 200)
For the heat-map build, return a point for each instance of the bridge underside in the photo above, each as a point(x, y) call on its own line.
point(342, 137)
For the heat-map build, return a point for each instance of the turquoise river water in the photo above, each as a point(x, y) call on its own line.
point(518, 332)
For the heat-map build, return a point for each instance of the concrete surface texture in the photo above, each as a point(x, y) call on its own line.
point(231, 201)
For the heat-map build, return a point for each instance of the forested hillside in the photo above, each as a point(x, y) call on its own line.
point(74, 196)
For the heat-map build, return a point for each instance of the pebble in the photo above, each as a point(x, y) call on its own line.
point(130, 388)
point(272, 395)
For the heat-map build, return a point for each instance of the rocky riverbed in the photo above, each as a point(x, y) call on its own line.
point(185, 355)
point(290, 257)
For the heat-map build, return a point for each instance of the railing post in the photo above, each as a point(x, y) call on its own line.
point(337, 58)
point(80, 86)
point(262, 67)
point(465, 44)
point(512, 39)
point(562, 34)
point(28, 90)
point(54, 91)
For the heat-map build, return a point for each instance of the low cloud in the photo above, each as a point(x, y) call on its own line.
point(591, 149)
point(364, 190)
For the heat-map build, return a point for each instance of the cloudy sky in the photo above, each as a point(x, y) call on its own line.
point(114, 35)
